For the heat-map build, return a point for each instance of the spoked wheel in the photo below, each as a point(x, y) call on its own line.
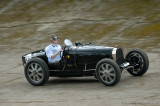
point(108, 72)
point(139, 60)
point(36, 72)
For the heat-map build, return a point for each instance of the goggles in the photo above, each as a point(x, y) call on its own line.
point(55, 38)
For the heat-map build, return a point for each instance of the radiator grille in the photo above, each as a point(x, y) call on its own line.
point(119, 56)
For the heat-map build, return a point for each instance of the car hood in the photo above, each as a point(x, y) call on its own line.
point(93, 47)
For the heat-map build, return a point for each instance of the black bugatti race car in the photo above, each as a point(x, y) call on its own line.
point(104, 63)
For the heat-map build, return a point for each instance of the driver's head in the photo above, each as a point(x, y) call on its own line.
point(54, 39)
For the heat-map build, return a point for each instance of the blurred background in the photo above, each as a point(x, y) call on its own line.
point(26, 25)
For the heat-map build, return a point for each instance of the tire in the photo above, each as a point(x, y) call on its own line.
point(139, 57)
point(36, 72)
point(95, 76)
point(108, 72)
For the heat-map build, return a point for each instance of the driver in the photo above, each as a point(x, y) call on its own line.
point(53, 51)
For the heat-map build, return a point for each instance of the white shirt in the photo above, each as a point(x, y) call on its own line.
point(52, 49)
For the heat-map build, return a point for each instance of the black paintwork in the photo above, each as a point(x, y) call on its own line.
point(82, 59)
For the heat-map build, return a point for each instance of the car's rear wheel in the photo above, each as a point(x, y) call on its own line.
point(36, 72)
point(139, 60)
point(108, 72)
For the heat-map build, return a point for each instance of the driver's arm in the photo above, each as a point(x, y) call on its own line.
point(50, 54)
point(55, 54)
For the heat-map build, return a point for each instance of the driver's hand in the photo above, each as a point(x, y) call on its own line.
point(60, 50)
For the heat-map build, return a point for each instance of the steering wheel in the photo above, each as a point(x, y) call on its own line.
point(63, 47)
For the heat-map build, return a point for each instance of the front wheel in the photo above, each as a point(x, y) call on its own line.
point(139, 60)
point(36, 72)
point(108, 72)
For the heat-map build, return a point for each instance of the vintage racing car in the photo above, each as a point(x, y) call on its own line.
point(105, 63)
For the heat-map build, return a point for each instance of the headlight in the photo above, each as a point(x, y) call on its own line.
point(114, 54)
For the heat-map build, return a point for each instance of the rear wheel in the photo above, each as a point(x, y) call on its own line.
point(139, 60)
point(108, 72)
point(36, 72)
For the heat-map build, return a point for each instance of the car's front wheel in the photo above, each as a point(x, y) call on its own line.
point(36, 72)
point(139, 60)
point(108, 72)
